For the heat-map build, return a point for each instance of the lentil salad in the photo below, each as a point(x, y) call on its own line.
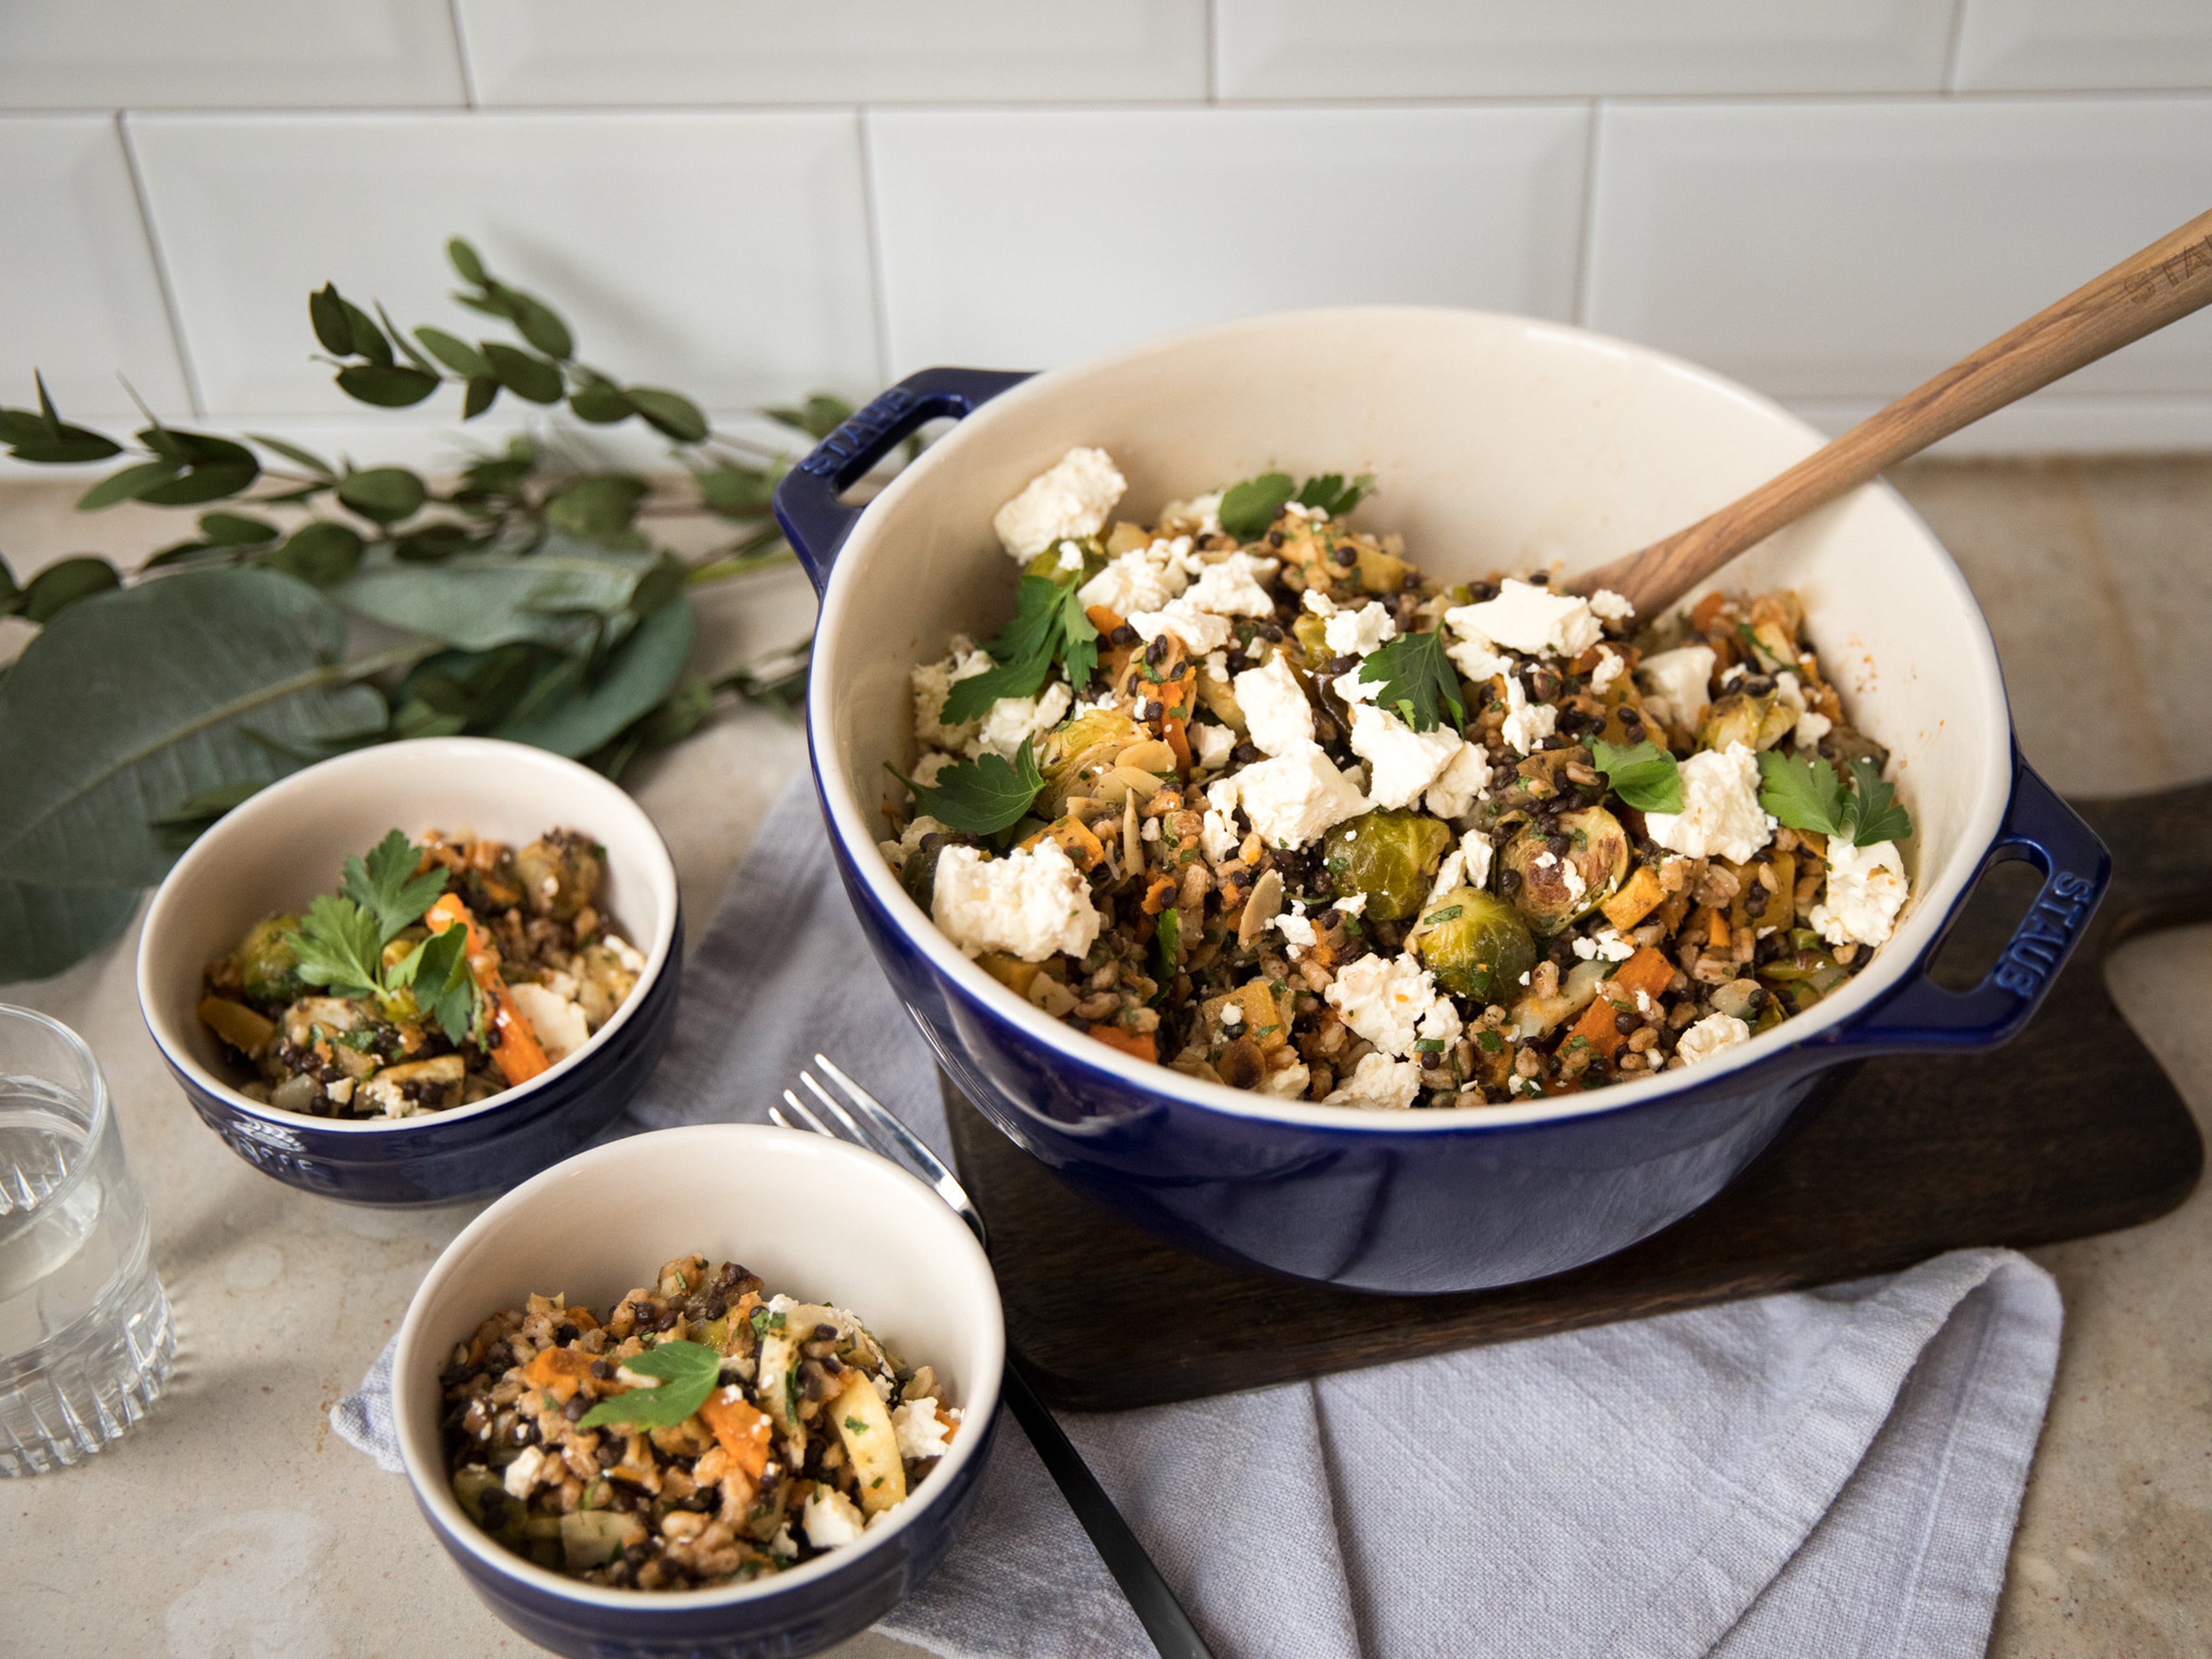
point(707, 1432)
point(1245, 792)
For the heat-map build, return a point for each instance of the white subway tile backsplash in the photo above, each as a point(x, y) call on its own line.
point(2007, 46)
point(725, 255)
point(756, 51)
point(268, 54)
point(79, 297)
point(1029, 239)
point(1282, 49)
point(1848, 250)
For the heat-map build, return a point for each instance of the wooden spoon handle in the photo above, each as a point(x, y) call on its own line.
point(2163, 284)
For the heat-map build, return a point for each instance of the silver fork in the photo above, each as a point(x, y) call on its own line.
point(878, 1128)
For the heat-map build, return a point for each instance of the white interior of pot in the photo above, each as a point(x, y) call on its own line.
point(287, 844)
point(1497, 443)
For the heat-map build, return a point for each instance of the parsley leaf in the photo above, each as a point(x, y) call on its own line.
point(1880, 816)
point(444, 989)
point(1804, 794)
point(688, 1372)
point(1167, 947)
point(387, 888)
point(983, 796)
point(337, 946)
point(1049, 624)
point(1646, 776)
point(1248, 508)
point(1331, 495)
point(1418, 680)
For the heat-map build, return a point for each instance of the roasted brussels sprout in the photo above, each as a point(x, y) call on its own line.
point(1755, 722)
point(1388, 856)
point(559, 874)
point(1048, 565)
point(1475, 944)
point(1557, 877)
point(1082, 752)
point(266, 967)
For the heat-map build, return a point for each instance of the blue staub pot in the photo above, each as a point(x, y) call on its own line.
point(286, 844)
point(1497, 443)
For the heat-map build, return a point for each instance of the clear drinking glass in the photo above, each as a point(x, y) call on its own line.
point(86, 1340)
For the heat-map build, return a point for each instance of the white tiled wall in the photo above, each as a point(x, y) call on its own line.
point(1828, 199)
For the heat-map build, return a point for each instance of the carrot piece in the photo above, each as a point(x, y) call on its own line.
point(1142, 1044)
point(515, 1046)
point(743, 1428)
point(1703, 614)
point(1156, 895)
point(1103, 619)
point(1647, 971)
point(1638, 899)
point(559, 1371)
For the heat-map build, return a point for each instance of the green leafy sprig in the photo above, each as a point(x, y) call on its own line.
point(687, 1373)
point(1418, 680)
point(1049, 625)
point(1805, 793)
point(339, 943)
point(1645, 776)
point(1249, 508)
point(979, 797)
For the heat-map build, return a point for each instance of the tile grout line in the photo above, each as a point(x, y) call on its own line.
point(2108, 589)
point(185, 364)
point(872, 205)
point(461, 55)
point(1586, 238)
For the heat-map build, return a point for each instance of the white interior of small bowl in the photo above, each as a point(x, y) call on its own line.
point(285, 844)
point(815, 1219)
point(1497, 443)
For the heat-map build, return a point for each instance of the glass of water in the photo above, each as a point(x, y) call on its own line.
point(86, 1340)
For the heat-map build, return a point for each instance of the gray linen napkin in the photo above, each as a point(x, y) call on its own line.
point(1834, 1473)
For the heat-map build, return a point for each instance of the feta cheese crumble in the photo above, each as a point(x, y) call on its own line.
point(1711, 1037)
point(1145, 578)
point(1721, 816)
point(1013, 720)
point(832, 1520)
point(1463, 781)
point(1378, 1083)
point(920, 1432)
point(1232, 588)
point(1211, 745)
point(1032, 903)
point(1277, 716)
point(1071, 497)
point(1866, 889)
point(1533, 621)
point(1392, 1003)
point(1357, 633)
point(1294, 796)
point(934, 682)
point(1402, 761)
point(1527, 724)
point(1675, 684)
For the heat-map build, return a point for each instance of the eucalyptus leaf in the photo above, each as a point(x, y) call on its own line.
point(636, 675)
point(476, 689)
point(596, 507)
point(43, 930)
point(386, 385)
point(369, 339)
point(126, 485)
point(454, 351)
point(307, 457)
point(64, 582)
point(72, 446)
point(817, 417)
point(327, 313)
point(737, 492)
point(483, 600)
point(191, 817)
point(600, 404)
point(524, 375)
point(464, 260)
point(407, 348)
point(670, 412)
point(322, 552)
point(433, 544)
point(200, 676)
point(236, 530)
point(385, 494)
point(211, 482)
point(539, 325)
point(10, 592)
point(483, 392)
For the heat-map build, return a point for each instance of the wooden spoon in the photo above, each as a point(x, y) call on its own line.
point(2162, 284)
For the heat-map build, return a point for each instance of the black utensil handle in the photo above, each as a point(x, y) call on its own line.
point(1156, 1606)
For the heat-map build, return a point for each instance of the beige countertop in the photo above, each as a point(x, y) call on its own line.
point(235, 1524)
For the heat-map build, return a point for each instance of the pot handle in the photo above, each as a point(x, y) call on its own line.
point(2041, 828)
point(814, 520)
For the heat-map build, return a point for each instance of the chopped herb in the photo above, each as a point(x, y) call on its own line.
point(1248, 508)
point(687, 1373)
point(1429, 1046)
point(1806, 794)
point(1331, 495)
point(983, 796)
point(1418, 680)
point(1645, 776)
point(1167, 947)
point(339, 943)
point(856, 1425)
point(1489, 1042)
point(1879, 818)
point(1437, 918)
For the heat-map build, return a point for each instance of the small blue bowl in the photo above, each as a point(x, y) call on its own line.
point(820, 1220)
point(285, 844)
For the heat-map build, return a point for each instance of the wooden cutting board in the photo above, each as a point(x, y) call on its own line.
point(2072, 1129)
